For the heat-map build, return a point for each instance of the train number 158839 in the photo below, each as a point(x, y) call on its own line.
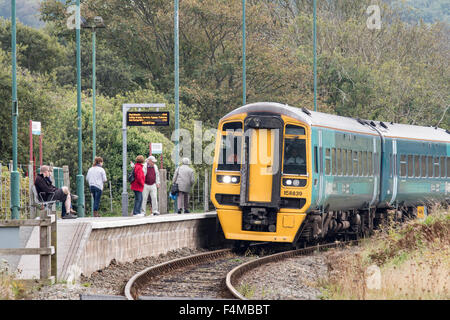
point(292, 193)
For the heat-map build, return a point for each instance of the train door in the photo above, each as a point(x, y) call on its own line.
point(261, 164)
point(394, 172)
point(261, 172)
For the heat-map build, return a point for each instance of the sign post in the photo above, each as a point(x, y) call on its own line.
point(137, 119)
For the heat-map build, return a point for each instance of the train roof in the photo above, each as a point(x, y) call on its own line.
point(320, 119)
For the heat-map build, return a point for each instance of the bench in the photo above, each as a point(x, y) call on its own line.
point(40, 203)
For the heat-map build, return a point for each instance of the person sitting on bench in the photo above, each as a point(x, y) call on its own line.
point(49, 192)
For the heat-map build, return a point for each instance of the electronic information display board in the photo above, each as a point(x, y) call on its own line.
point(147, 118)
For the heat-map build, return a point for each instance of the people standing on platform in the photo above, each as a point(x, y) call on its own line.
point(151, 185)
point(95, 177)
point(138, 185)
point(184, 177)
point(48, 192)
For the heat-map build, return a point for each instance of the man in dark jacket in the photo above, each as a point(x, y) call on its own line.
point(49, 192)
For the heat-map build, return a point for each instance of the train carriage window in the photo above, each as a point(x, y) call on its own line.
point(436, 167)
point(410, 166)
point(355, 163)
point(402, 165)
point(364, 163)
point(344, 162)
point(327, 161)
point(333, 161)
point(349, 163)
point(360, 164)
point(430, 166)
point(424, 166)
point(448, 167)
point(442, 167)
point(370, 163)
point(417, 166)
point(294, 156)
point(339, 161)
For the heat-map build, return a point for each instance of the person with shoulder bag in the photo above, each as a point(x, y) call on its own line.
point(184, 179)
point(138, 185)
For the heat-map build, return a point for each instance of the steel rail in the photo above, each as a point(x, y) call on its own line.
point(234, 275)
point(139, 280)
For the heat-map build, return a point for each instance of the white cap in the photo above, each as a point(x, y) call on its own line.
point(152, 158)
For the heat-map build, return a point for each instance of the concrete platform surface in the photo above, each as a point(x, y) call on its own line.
point(85, 245)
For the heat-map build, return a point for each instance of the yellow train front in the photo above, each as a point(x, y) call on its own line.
point(261, 180)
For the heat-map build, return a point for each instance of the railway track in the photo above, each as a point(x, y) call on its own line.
point(198, 276)
point(210, 275)
point(235, 274)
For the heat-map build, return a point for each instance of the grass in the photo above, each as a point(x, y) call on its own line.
point(10, 289)
point(407, 262)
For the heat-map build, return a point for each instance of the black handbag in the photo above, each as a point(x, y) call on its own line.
point(174, 190)
point(131, 176)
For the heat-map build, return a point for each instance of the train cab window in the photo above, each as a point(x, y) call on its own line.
point(294, 130)
point(327, 161)
point(430, 166)
point(370, 163)
point(417, 166)
point(443, 167)
point(355, 163)
point(231, 146)
point(436, 167)
point(410, 166)
point(294, 156)
point(402, 165)
point(316, 160)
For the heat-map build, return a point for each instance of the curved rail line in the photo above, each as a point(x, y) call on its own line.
point(234, 275)
point(139, 280)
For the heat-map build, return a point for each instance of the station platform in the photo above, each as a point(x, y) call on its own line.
point(85, 245)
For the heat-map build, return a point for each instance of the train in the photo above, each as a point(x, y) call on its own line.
point(292, 175)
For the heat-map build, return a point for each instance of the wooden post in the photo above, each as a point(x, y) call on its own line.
point(44, 242)
point(54, 243)
point(162, 191)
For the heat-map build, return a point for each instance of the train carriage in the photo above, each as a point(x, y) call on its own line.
point(285, 174)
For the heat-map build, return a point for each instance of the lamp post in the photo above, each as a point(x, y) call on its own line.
point(244, 76)
point(177, 95)
point(15, 178)
point(98, 23)
point(80, 178)
point(315, 54)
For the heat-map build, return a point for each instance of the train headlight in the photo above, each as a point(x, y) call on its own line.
point(228, 179)
point(288, 182)
point(296, 183)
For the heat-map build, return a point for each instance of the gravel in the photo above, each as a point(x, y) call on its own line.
point(291, 279)
point(108, 281)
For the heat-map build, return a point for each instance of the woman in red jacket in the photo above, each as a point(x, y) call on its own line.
point(138, 185)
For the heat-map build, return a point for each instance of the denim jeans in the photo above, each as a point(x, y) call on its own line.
point(137, 202)
point(96, 193)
